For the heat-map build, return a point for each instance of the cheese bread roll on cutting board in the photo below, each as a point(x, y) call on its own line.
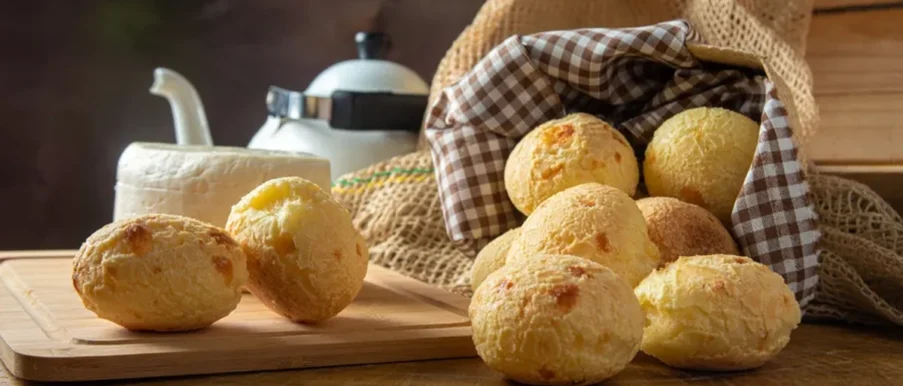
point(160, 272)
point(306, 260)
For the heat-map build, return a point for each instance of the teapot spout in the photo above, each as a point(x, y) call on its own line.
point(187, 109)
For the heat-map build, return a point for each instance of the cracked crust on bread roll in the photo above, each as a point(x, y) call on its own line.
point(556, 320)
point(682, 229)
point(702, 156)
point(593, 221)
point(716, 312)
point(160, 272)
point(306, 260)
point(492, 257)
point(567, 152)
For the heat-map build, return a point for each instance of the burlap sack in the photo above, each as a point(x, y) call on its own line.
point(396, 204)
point(861, 271)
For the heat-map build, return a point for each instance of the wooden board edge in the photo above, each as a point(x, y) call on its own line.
point(11, 360)
point(36, 254)
point(15, 358)
point(47, 365)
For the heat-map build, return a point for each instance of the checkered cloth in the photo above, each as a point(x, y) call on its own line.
point(634, 78)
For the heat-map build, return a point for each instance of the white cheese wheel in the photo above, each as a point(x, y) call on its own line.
point(202, 182)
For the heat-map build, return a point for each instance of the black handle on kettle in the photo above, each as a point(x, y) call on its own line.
point(353, 110)
point(372, 45)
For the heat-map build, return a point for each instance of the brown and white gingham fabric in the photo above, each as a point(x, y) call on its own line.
point(773, 219)
point(634, 78)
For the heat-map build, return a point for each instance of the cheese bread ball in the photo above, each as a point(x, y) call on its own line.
point(566, 152)
point(702, 156)
point(682, 229)
point(716, 312)
point(556, 319)
point(492, 257)
point(160, 272)
point(593, 221)
point(306, 260)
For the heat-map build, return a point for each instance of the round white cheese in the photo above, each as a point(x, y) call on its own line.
point(202, 182)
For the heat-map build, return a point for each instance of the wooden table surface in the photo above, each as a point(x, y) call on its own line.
point(818, 354)
point(855, 50)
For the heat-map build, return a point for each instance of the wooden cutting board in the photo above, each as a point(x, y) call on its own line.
point(48, 335)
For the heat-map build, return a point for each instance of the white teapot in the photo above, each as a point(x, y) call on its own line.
point(355, 113)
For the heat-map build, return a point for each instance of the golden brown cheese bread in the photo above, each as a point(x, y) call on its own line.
point(160, 272)
point(492, 257)
point(593, 221)
point(566, 152)
point(306, 260)
point(556, 320)
point(702, 156)
point(682, 229)
point(716, 312)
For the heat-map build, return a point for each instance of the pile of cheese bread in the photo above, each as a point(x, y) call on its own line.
point(598, 271)
point(287, 241)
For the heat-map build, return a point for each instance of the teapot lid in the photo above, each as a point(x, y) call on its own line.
point(369, 73)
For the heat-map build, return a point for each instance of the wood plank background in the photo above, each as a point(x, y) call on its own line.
point(823, 5)
point(74, 77)
point(856, 57)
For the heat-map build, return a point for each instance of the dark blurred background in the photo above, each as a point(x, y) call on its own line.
point(74, 79)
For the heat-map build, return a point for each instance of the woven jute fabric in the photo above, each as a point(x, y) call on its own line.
point(861, 269)
point(396, 203)
point(634, 78)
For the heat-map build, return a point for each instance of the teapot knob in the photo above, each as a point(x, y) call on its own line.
point(372, 45)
